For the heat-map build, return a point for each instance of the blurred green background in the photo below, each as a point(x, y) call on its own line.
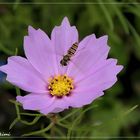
point(114, 115)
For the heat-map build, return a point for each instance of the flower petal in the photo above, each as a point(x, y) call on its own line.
point(91, 51)
point(39, 51)
point(85, 97)
point(106, 73)
point(43, 103)
point(35, 101)
point(58, 105)
point(63, 37)
point(92, 87)
point(22, 74)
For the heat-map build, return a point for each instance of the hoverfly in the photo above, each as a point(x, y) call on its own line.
point(71, 51)
point(71, 58)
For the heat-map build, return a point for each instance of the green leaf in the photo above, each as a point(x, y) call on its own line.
point(107, 14)
point(118, 49)
point(5, 50)
point(133, 9)
point(137, 40)
point(121, 17)
point(13, 123)
point(131, 109)
point(113, 121)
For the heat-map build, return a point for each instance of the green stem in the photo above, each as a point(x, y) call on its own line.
point(76, 120)
point(17, 110)
point(70, 114)
point(45, 135)
point(63, 125)
point(30, 114)
point(53, 119)
point(18, 91)
point(40, 131)
point(59, 131)
point(32, 122)
point(14, 102)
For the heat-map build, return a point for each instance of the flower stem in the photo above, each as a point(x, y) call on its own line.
point(40, 131)
point(30, 114)
point(53, 118)
point(32, 122)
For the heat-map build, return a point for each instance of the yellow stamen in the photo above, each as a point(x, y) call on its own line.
point(60, 85)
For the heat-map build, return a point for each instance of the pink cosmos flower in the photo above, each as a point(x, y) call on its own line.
point(52, 87)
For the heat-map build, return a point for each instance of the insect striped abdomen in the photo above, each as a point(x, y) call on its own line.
point(66, 58)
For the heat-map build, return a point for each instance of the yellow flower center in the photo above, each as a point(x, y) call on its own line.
point(60, 85)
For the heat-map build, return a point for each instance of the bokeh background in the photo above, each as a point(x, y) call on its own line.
point(117, 114)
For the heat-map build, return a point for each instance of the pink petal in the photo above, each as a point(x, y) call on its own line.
point(92, 87)
point(35, 101)
point(106, 73)
point(91, 52)
point(58, 105)
point(85, 97)
point(63, 37)
point(22, 74)
point(38, 49)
